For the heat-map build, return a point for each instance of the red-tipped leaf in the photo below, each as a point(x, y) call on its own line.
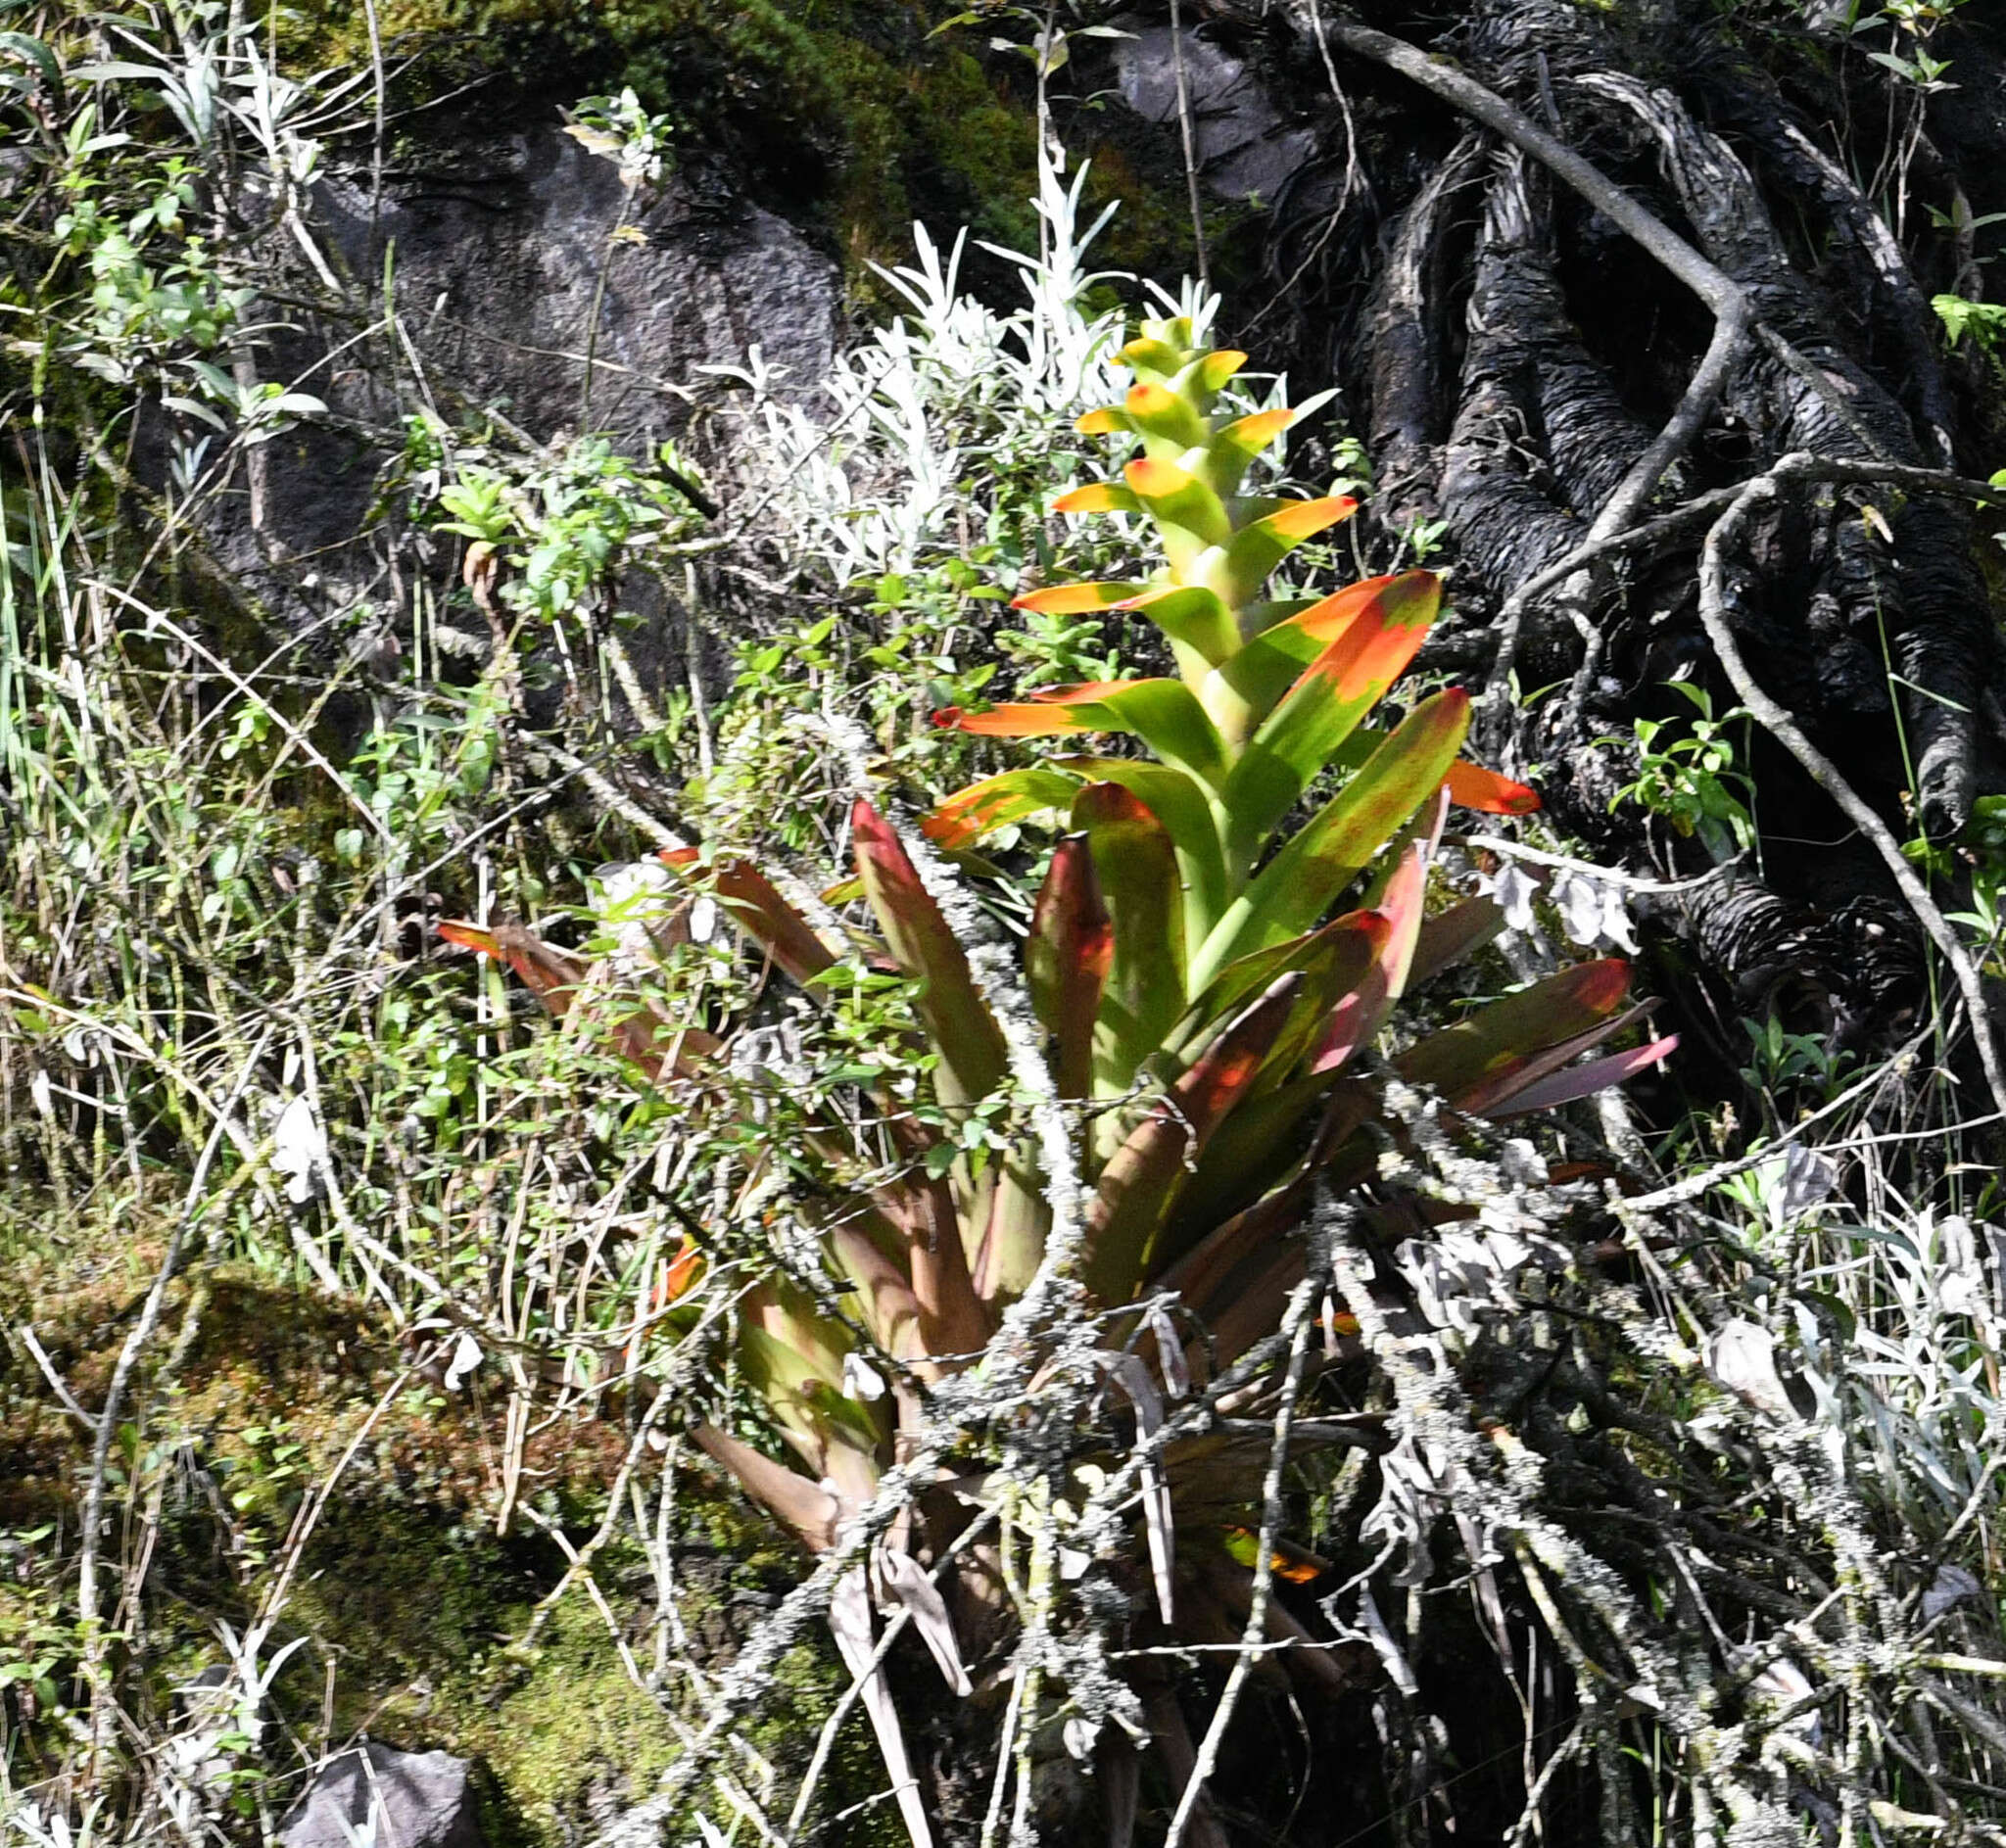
point(1067, 959)
point(1139, 1181)
point(964, 1036)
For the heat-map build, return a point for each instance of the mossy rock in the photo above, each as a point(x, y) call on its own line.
point(848, 116)
point(843, 111)
point(413, 1610)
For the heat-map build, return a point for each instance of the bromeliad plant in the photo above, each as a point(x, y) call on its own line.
point(1208, 1005)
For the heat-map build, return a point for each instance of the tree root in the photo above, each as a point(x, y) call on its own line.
point(1865, 605)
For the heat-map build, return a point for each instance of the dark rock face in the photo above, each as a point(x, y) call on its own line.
point(415, 1799)
point(499, 253)
point(1244, 148)
point(495, 250)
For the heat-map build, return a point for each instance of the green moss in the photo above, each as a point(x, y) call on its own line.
point(413, 1608)
point(844, 106)
point(423, 1616)
point(848, 112)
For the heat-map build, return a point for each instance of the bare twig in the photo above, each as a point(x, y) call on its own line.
point(1779, 723)
point(1189, 146)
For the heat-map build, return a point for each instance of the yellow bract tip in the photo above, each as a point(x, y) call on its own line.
point(1154, 480)
point(1097, 496)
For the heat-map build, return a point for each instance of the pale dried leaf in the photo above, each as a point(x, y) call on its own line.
point(849, 1620)
point(910, 1585)
point(1127, 1372)
point(1742, 1356)
point(1170, 1352)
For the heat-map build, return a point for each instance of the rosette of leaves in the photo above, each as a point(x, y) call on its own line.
point(1238, 901)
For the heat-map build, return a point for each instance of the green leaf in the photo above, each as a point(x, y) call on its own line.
point(1227, 1267)
point(1188, 515)
point(1166, 716)
point(1255, 550)
point(1167, 420)
point(1145, 1172)
point(1137, 867)
point(972, 815)
point(1336, 956)
point(1181, 803)
point(1231, 449)
point(1503, 1086)
point(1575, 1001)
point(1252, 1153)
point(1303, 879)
point(1192, 617)
point(1294, 634)
point(45, 62)
point(1164, 713)
point(1318, 715)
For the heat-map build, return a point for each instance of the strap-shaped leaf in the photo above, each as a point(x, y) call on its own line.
point(921, 1207)
point(559, 979)
point(1472, 786)
point(1301, 735)
point(1222, 1252)
point(1337, 955)
point(1014, 1238)
point(1255, 1148)
point(1137, 864)
point(1067, 959)
point(1357, 1017)
point(850, 1622)
point(1206, 376)
point(1303, 879)
point(1579, 1081)
point(1453, 934)
point(811, 1512)
point(1575, 1001)
point(1098, 497)
point(1148, 357)
point(1021, 718)
point(50, 67)
point(1073, 600)
point(1230, 450)
point(972, 814)
point(1144, 1173)
point(883, 1296)
point(1189, 515)
point(967, 1039)
point(1279, 650)
point(1183, 805)
point(1165, 714)
point(1521, 1075)
point(553, 976)
point(1255, 550)
point(754, 904)
point(1193, 617)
